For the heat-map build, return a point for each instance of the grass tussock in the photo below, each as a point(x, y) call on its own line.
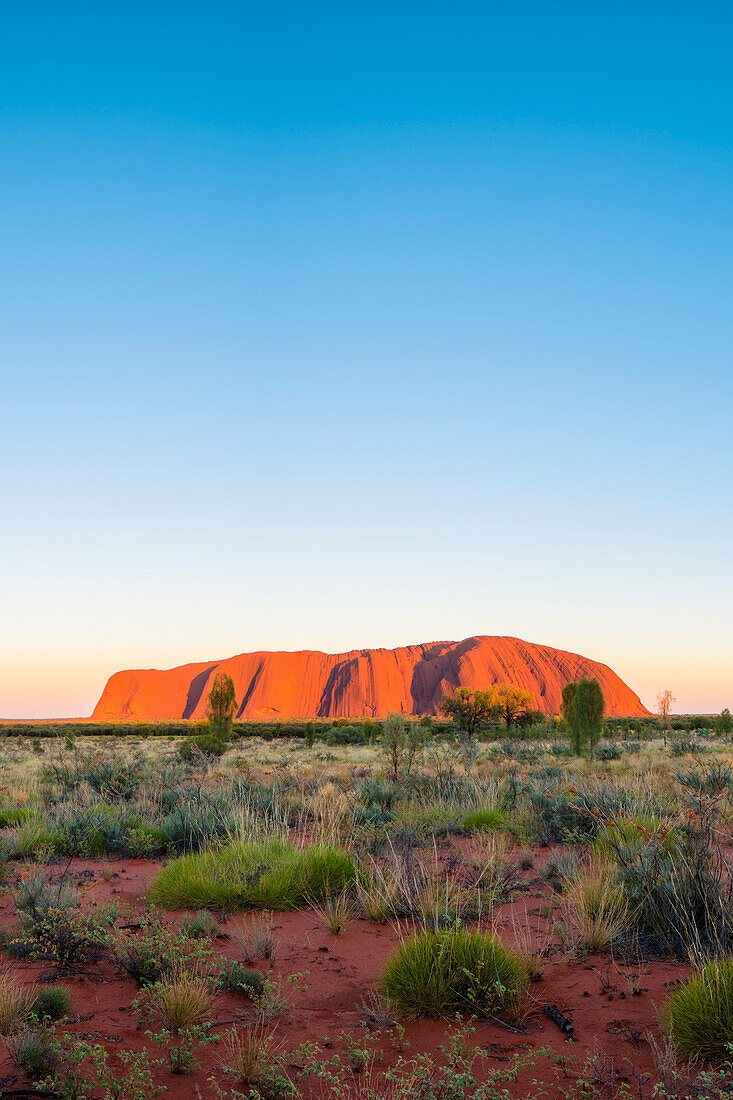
point(183, 1000)
point(270, 874)
point(16, 1003)
point(596, 908)
point(699, 1014)
point(454, 970)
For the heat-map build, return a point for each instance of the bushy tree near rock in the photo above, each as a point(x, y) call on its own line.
point(513, 704)
point(402, 744)
point(584, 707)
point(220, 707)
point(470, 710)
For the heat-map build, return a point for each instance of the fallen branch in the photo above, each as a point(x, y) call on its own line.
point(557, 1017)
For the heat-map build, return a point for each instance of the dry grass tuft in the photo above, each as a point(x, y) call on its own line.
point(16, 1002)
point(595, 907)
point(336, 911)
point(251, 1054)
point(184, 1000)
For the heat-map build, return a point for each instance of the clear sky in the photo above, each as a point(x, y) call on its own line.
point(342, 325)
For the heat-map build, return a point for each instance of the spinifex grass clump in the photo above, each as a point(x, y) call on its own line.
point(269, 874)
point(487, 820)
point(699, 1014)
point(454, 970)
point(52, 1002)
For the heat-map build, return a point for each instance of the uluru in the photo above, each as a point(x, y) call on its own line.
point(361, 683)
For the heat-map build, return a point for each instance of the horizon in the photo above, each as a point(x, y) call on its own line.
point(326, 326)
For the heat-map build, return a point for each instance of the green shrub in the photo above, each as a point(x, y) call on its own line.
point(203, 747)
point(699, 1014)
point(52, 1003)
point(679, 891)
point(488, 821)
point(271, 874)
point(344, 735)
point(148, 953)
point(440, 973)
point(634, 835)
point(237, 978)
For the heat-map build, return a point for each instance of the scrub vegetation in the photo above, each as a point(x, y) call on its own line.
point(491, 903)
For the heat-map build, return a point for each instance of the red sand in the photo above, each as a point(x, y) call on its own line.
point(362, 683)
point(341, 969)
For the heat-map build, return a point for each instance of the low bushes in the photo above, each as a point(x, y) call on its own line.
point(440, 973)
point(699, 1014)
point(271, 874)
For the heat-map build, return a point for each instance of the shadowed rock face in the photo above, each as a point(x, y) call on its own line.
point(362, 683)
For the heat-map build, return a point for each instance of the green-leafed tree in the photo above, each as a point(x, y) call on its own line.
point(470, 710)
point(220, 707)
point(513, 703)
point(724, 722)
point(584, 708)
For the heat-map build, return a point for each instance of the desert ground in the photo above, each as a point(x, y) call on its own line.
point(241, 925)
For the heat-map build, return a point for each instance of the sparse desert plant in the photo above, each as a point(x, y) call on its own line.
point(562, 867)
point(16, 1002)
point(699, 1014)
point(33, 1049)
point(531, 945)
point(437, 903)
point(454, 970)
point(148, 952)
point(377, 892)
point(60, 931)
point(595, 907)
point(182, 1000)
point(680, 894)
point(377, 1011)
point(270, 874)
point(257, 940)
point(253, 1057)
point(402, 744)
point(200, 926)
point(495, 877)
point(335, 911)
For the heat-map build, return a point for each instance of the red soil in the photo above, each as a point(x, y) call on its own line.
point(595, 994)
point(362, 683)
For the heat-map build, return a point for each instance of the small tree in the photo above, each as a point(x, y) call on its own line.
point(724, 722)
point(513, 703)
point(584, 707)
point(470, 710)
point(665, 699)
point(568, 693)
point(402, 743)
point(220, 707)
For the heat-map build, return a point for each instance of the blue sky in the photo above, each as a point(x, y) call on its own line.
point(329, 326)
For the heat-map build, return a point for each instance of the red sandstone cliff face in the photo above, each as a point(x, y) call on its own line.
point(364, 682)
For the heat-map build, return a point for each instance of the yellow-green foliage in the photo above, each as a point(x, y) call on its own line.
point(699, 1014)
point(440, 973)
point(637, 834)
point(269, 874)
